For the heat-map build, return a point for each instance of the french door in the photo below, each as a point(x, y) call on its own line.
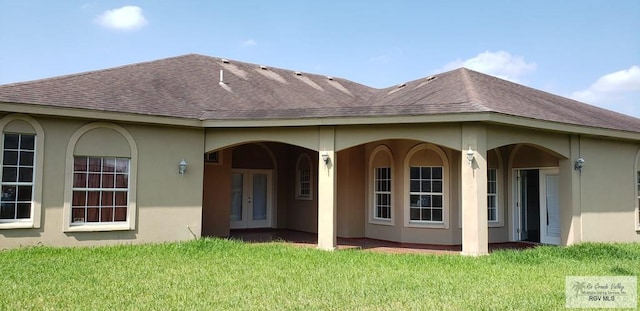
point(251, 199)
point(537, 205)
point(549, 207)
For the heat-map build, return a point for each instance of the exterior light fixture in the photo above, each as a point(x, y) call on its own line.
point(325, 158)
point(182, 167)
point(470, 156)
point(579, 164)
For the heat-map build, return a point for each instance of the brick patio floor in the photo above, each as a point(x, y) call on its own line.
point(306, 239)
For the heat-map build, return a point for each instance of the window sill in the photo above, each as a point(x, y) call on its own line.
point(383, 222)
point(303, 198)
point(98, 228)
point(17, 225)
point(495, 224)
point(427, 225)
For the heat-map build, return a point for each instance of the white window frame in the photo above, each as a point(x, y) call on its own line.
point(17, 183)
point(427, 193)
point(445, 223)
point(100, 189)
point(132, 210)
point(636, 178)
point(376, 193)
point(372, 193)
point(34, 128)
point(493, 195)
point(301, 172)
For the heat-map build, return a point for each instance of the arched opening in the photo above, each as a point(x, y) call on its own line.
point(535, 193)
point(258, 185)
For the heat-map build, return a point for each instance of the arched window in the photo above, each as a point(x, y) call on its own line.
point(303, 177)
point(100, 179)
point(22, 144)
point(381, 185)
point(426, 187)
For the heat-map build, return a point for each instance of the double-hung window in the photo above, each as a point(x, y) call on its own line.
point(100, 190)
point(18, 167)
point(492, 195)
point(426, 193)
point(382, 193)
point(303, 176)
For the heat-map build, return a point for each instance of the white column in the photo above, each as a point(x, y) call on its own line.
point(473, 179)
point(327, 219)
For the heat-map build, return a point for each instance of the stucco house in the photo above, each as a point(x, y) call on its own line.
point(196, 146)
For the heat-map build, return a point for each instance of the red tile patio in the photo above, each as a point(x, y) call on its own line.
point(306, 239)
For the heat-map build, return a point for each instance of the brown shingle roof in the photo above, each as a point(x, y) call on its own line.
point(189, 87)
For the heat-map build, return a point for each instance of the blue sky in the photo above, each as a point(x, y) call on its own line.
point(583, 49)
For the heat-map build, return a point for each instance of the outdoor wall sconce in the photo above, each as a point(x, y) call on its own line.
point(579, 164)
point(325, 158)
point(470, 156)
point(182, 167)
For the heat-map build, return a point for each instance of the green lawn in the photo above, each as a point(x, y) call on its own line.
point(218, 274)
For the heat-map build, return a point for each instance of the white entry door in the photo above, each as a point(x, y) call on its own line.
point(251, 199)
point(549, 207)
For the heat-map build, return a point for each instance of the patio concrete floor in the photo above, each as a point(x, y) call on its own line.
point(306, 239)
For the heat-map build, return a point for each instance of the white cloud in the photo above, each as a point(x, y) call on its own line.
point(381, 59)
point(612, 84)
point(500, 64)
point(619, 91)
point(124, 18)
point(249, 42)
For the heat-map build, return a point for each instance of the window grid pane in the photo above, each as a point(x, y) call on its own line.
point(382, 193)
point(18, 167)
point(426, 193)
point(100, 190)
point(492, 194)
point(304, 183)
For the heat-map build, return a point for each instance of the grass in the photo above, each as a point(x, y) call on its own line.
point(219, 274)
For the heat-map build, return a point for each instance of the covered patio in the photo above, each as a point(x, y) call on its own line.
point(306, 239)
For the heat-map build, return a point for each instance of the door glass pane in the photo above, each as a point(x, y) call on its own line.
point(259, 196)
point(553, 206)
point(236, 197)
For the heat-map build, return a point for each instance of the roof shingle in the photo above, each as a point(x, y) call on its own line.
point(189, 87)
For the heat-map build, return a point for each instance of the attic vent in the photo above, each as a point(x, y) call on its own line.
point(224, 60)
point(297, 73)
point(330, 78)
point(431, 78)
point(402, 85)
point(263, 67)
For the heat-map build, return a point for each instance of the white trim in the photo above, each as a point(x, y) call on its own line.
point(36, 206)
point(544, 237)
point(132, 209)
point(636, 177)
point(515, 210)
point(247, 184)
point(304, 157)
point(444, 224)
point(495, 195)
point(371, 210)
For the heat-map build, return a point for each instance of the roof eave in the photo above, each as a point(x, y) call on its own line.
point(98, 114)
point(487, 116)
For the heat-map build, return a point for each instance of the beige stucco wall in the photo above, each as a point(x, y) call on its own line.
point(607, 192)
point(302, 214)
point(168, 204)
point(351, 193)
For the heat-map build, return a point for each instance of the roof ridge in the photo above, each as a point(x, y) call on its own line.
point(470, 90)
point(85, 73)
